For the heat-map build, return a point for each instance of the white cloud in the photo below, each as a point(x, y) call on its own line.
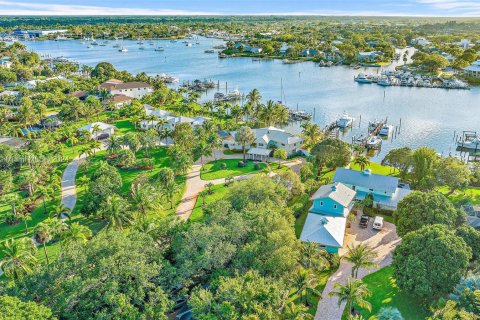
point(40, 9)
point(463, 7)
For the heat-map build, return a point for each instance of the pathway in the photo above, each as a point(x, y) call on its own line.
point(382, 242)
point(195, 184)
point(69, 193)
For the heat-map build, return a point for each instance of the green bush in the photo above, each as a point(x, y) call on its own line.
point(223, 166)
point(257, 166)
point(241, 164)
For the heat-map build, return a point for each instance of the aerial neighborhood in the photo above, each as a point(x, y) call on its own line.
point(273, 180)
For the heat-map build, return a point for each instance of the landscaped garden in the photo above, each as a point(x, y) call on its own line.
point(228, 168)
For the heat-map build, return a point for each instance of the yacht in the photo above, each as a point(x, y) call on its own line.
point(345, 121)
point(362, 78)
point(383, 81)
point(374, 142)
point(123, 49)
point(386, 130)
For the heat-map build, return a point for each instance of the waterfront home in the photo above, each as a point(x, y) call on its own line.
point(384, 189)
point(5, 62)
point(135, 89)
point(266, 139)
point(309, 53)
point(327, 217)
point(284, 49)
point(368, 56)
point(172, 121)
point(120, 100)
point(247, 48)
point(37, 33)
point(98, 130)
point(473, 70)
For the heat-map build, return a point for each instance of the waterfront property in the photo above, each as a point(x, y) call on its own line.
point(136, 89)
point(266, 139)
point(384, 189)
point(369, 56)
point(98, 130)
point(172, 121)
point(327, 218)
point(473, 70)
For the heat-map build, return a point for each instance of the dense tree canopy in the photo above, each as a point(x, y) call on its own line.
point(430, 261)
point(12, 308)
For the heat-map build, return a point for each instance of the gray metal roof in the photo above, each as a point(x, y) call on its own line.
point(338, 192)
point(367, 180)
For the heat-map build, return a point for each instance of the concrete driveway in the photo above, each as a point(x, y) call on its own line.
point(382, 242)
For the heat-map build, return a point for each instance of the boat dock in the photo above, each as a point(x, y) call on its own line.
point(299, 115)
point(373, 131)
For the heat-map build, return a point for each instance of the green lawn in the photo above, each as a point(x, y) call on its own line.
point(124, 126)
point(219, 191)
point(213, 170)
point(227, 152)
point(377, 168)
point(385, 293)
point(469, 195)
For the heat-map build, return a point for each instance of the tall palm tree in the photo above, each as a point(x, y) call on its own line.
point(165, 133)
point(361, 256)
point(245, 137)
point(312, 258)
point(361, 161)
point(76, 233)
point(43, 235)
point(60, 211)
point(352, 293)
point(254, 97)
point(312, 134)
point(296, 312)
point(115, 210)
point(18, 257)
point(144, 198)
point(113, 144)
point(45, 192)
point(304, 282)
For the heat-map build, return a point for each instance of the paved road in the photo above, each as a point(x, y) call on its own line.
point(195, 185)
point(382, 242)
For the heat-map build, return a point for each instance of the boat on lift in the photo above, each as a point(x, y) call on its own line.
point(386, 130)
point(374, 142)
point(345, 121)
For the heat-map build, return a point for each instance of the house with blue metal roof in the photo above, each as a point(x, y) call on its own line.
point(384, 189)
point(327, 218)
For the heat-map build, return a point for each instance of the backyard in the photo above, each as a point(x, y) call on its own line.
point(213, 170)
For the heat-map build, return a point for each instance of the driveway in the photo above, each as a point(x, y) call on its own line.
point(382, 242)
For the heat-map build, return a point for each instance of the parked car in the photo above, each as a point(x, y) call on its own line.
point(364, 221)
point(378, 223)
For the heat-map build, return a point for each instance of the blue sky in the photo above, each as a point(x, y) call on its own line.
point(238, 7)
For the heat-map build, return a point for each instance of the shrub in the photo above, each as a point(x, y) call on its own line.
point(241, 164)
point(11, 219)
point(146, 164)
point(464, 294)
point(125, 159)
point(257, 166)
point(389, 313)
point(223, 166)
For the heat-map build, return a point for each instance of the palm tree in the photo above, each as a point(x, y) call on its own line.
point(361, 256)
point(165, 133)
point(296, 312)
point(43, 235)
point(304, 282)
point(312, 258)
point(312, 134)
point(352, 293)
point(245, 136)
point(76, 233)
point(361, 161)
point(254, 97)
point(60, 211)
point(143, 198)
point(83, 182)
point(18, 257)
point(114, 144)
point(114, 209)
point(45, 192)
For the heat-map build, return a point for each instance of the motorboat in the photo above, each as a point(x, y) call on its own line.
point(470, 143)
point(362, 78)
point(374, 142)
point(123, 49)
point(386, 130)
point(188, 44)
point(383, 81)
point(345, 121)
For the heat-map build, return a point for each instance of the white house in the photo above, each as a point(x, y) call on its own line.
point(172, 121)
point(473, 70)
point(265, 140)
point(120, 100)
point(134, 89)
point(98, 130)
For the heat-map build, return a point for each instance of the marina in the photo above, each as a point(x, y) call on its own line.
point(427, 119)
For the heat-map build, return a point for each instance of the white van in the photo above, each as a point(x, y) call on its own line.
point(378, 223)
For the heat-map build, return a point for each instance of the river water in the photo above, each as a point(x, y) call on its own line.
point(429, 117)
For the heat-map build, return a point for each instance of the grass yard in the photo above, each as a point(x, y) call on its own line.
point(213, 170)
point(385, 293)
point(464, 196)
point(227, 152)
point(219, 192)
point(377, 168)
point(124, 126)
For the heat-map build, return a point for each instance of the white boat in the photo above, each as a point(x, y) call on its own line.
point(471, 143)
point(123, 49)
point(188, 44)
point(386, 130)
point(345, 121)
point(374, 142)
point(362, 78)
point(383, 81)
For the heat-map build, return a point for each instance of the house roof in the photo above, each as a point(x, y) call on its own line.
point(101, 125)
point(338, 192)
point(113, 85)
point(325, 230)
point(13, 142)
point(259, 151)
point(78, 94)
point(474, 67)
point(274, 134)
point(119, 98)
point(366, 179)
